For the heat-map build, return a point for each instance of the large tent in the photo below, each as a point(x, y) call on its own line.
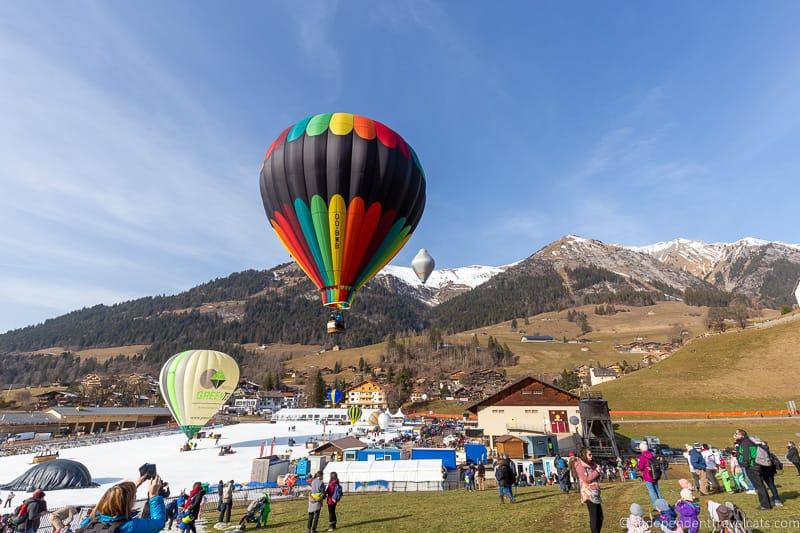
point(380, 476)
point(53, 475)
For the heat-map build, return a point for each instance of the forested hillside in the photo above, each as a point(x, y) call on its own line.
point(274, 308)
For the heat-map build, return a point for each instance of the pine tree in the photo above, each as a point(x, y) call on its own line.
point(318, 399)
point(513, 323)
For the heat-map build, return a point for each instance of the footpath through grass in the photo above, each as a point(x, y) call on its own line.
point(537, 509)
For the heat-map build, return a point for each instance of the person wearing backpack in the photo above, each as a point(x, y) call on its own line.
point(504, 477)
point(563, 473)
point(192, 507)
point(315, 498)
point(335, 493)
point(793, 456)
point(650, 472)
point(768, 473)
point(28, 515)
point(749, 457)
point(114, 512)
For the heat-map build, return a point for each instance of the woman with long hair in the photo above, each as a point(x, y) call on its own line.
point(116, 507)
point(334, 494)
point(588, 472)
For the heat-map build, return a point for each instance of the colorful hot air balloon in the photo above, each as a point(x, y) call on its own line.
point(354, 414)
point(344, 193)
point(195, 383)
point(335, 396)
point(422, 265)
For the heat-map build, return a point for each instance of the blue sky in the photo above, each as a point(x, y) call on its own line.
point(131, 132)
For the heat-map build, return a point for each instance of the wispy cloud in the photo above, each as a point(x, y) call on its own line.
point(94, 188)
point(315, 23)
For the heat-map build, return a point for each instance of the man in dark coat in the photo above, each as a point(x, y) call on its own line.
point(793, 456)
point(746, 451)
point(30, 513)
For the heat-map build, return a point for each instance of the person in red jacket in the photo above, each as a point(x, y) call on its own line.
point(334, 493)
point(588, 472)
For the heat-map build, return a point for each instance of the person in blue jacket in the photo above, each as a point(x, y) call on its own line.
point(114, 512)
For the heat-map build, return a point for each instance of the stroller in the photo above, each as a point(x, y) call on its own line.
point(253, 513)
point(727, 518)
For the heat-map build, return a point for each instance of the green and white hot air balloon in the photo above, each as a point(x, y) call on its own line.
point(194, 384)
point(354, 414)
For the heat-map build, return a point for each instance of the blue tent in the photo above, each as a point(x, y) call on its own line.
point(476, 453)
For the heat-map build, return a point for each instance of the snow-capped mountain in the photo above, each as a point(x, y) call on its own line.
point(696, 257)
point(765, 271)
point(637, 270)
point(758, 268)
point(444, 283)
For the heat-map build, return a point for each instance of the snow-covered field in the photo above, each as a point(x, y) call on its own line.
point(116, 461)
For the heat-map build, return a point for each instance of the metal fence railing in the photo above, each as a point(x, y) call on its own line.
point(24, 447)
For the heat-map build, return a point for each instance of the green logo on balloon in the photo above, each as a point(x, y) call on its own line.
point(212, 379)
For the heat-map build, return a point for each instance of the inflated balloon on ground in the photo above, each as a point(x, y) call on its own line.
point(383, 421)
point(195, 383)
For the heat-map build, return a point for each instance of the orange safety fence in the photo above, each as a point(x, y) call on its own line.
point(450, 416)
point(706, 414)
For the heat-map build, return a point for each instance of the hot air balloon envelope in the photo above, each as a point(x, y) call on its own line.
point(354, 414)
point(343, 193)
point(383, 421)
point(335, 396)
point(797, 293)
point(195, 383)
point(422, 265)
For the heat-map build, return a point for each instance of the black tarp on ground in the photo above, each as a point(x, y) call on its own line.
point(53, 475)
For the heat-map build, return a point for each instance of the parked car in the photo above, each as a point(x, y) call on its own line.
point(663, 449)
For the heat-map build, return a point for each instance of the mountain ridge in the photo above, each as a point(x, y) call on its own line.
point(281, 305)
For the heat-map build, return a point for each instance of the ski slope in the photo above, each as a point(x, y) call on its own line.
point(113, 462)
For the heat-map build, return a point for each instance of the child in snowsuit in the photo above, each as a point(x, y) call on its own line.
point(636, 522)
point(667, 518)
point(689, 511)
point(725, 478)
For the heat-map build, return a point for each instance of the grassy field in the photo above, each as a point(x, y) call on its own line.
point(100, 354)
point(437, 406)
point(653, 323)
point(537, 509)
point(739, 370)
point(714, 432)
